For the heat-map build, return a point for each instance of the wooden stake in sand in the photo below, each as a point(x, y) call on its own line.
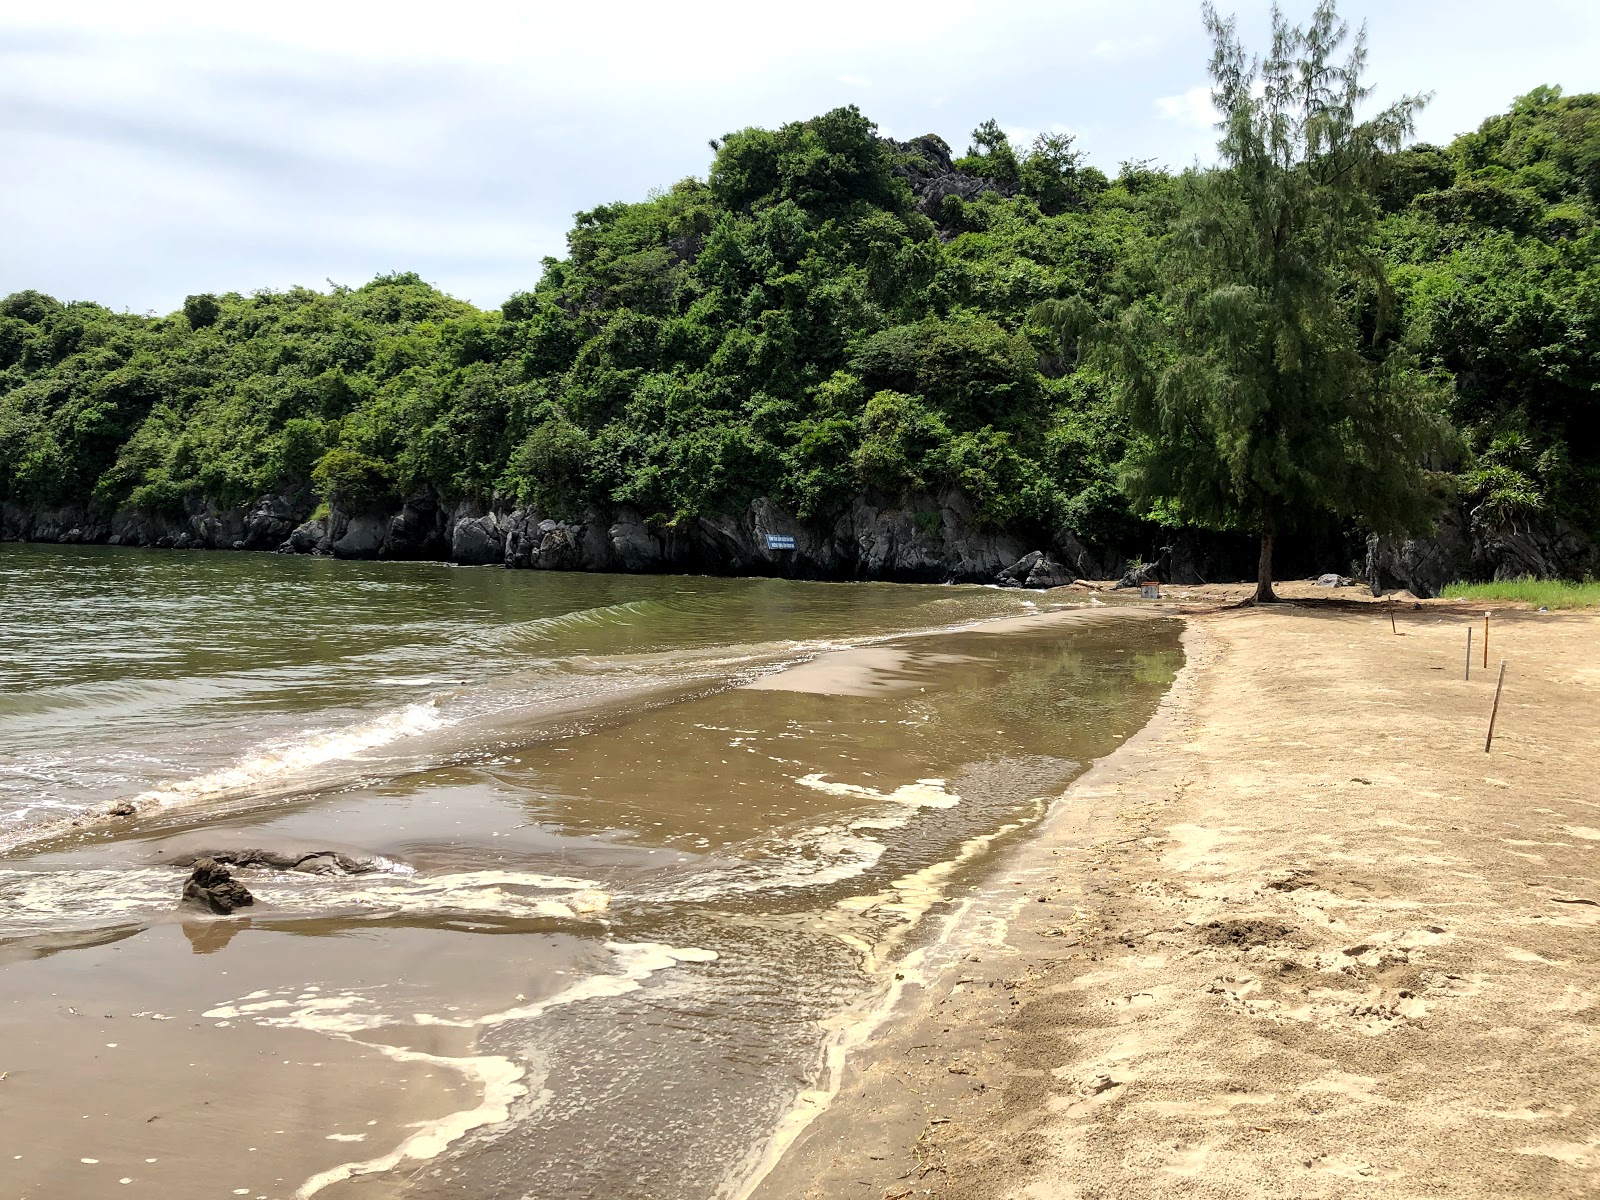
point(1485, 641)
point(1469, 652)
point(1493, 712)
point(1392, 629)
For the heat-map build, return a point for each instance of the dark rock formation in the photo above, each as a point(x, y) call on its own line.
point(313, 861)
point(477, 538)
point(1035, 570)
point(930, 537)
point(1138, 576)
point(927, 165)
point(1470, 545)
point(211, 885)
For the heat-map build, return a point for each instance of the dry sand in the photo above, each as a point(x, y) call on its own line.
point(1301, 937)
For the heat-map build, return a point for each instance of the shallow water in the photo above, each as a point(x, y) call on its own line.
point(637, 839)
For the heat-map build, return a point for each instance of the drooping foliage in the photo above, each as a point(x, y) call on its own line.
point(1255, 398)
point(810, 322)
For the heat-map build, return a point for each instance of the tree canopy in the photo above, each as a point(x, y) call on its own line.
point(1255, 398)
point(830, 313)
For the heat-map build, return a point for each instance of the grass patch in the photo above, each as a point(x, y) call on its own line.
point(1547, 593)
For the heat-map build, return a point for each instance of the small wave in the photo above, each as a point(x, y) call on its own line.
point(318, 748)
point(547, 629)
point(113, 697)
point(36, 901)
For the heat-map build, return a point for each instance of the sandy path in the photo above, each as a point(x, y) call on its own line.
point(1301, 937)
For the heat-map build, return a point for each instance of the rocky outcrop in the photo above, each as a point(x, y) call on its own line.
point(212, 886)
point(203, 525)
point(927, 165)
point(1139, 574)
point(477, 538)
point(1035, 570)
point(308, 860)
point(931, 537)
point(1470, 545)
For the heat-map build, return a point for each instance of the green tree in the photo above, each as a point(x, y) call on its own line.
point(1254, 399)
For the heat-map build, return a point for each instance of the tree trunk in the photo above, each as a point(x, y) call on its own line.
point(1264, 593)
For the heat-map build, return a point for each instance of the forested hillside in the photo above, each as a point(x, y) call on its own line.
point(827, 315)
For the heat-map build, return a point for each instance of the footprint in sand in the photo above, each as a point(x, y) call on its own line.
point(1195, 845)
point(1215, 1106)
point(1349, 1167)
point(1573, 1154)
point(1185, 1160)
point(1528, 956)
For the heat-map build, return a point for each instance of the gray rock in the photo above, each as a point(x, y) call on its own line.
point(1139, 576)
point(417, 531)
point(631, 544)
point(1017, 572)
point(210, 885)
point(478, 541)
point(1035, 570)
point(308, 537)
point(269, 522)
point(1333, 581)
point(363, 537)
point(1048, 573)
point(1475, 546)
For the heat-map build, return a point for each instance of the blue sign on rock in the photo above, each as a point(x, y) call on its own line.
point(780, 541)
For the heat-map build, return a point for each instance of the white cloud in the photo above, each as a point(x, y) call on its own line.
point(173, 146)
point(1193, 108)
point(1122, 49)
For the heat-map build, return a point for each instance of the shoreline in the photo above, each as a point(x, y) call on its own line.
point(433, 1077)
point(977, 920)
point(1276, 943)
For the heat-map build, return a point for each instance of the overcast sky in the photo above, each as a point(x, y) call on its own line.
point(160, 148)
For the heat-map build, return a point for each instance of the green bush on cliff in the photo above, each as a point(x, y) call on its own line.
point(801, 325)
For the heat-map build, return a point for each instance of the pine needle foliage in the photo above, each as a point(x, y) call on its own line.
point(1256, 398)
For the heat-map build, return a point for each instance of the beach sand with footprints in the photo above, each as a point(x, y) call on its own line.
point(1302, 936)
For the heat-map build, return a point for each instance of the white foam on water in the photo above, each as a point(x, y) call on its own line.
point(316, 749)
point(35, 901)
point(348, 1014)
point(924, 793)
point(501, 1081)
point(639, 960)
point(812, 857)
point(823, 854)
point(911, 895)
point(266, 767)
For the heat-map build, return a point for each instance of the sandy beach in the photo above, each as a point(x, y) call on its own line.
point(1301, 936)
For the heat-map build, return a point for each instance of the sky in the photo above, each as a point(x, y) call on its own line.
point(164, 148)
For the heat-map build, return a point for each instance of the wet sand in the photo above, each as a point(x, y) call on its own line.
point(598, 960)
point(1301, 936)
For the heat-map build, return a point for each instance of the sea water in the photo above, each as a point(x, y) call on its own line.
point(627, 844)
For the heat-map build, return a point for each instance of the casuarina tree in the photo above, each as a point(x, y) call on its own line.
point(1260, 389)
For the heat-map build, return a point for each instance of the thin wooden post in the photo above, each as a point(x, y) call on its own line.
point(1485, 641)
point(1469, 652)
point(1392, 629)
point(1493, 712)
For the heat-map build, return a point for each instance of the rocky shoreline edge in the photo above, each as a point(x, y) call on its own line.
point(928, 538)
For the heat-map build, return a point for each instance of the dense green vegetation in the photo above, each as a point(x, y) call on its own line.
point(812, 321)
point(1543, 593)
point(1255, 398)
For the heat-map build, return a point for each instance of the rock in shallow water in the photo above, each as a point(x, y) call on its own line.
point(212, 885)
